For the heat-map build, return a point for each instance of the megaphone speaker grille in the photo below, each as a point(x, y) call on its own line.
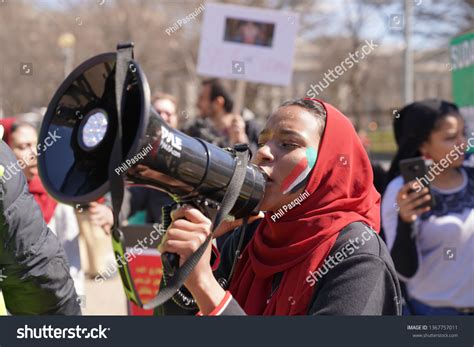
point(82, 118)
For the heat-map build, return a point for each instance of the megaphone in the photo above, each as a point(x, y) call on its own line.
point(83, 113)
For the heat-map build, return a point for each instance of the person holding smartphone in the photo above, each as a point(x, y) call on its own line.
point(429, 221)
point(316, 251)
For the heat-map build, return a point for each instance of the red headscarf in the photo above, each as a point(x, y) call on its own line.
point(46, 203)
point(341, 192)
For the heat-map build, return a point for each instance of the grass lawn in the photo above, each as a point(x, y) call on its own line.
point(382, 141)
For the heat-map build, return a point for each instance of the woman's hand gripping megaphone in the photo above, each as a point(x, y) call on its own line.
point(188, 230)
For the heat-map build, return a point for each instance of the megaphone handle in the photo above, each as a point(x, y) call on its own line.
point(170, 260)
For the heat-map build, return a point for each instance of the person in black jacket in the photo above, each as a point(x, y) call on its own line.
point(316, 251)
point(35, 272)
point(216, 122)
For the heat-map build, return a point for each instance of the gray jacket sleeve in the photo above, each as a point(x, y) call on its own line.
point(35, 270)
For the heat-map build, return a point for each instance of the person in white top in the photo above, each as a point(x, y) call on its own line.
point(432, 247)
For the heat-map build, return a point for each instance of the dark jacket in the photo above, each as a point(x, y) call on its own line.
point(35, 272)
point(364, 282)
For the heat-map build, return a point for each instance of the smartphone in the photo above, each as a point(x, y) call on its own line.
point(413, 169)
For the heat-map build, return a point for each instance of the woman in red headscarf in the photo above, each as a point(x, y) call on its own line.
point(316, 251)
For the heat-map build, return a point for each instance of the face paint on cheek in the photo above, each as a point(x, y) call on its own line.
point(299, 176)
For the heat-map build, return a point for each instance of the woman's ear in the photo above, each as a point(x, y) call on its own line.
point(220, 101)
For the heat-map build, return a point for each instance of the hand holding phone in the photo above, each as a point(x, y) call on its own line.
point(412, 204)
point(414, 198)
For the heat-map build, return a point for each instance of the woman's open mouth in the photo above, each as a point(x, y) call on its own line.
point(266, 175)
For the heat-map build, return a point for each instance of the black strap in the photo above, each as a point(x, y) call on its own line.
point(230, 197)
point(116, 181)
point(124, 56)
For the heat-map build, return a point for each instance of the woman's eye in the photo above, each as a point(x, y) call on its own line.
point(289, 145)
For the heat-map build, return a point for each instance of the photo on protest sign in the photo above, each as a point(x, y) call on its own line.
point(249, 32)
point(248, 43)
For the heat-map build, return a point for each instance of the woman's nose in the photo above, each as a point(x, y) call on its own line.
point(32, 148)
point(264, 153)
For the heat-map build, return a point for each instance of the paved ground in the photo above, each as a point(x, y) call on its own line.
point(106, 298)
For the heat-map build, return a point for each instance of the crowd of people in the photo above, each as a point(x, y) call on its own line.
point(420, 264)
